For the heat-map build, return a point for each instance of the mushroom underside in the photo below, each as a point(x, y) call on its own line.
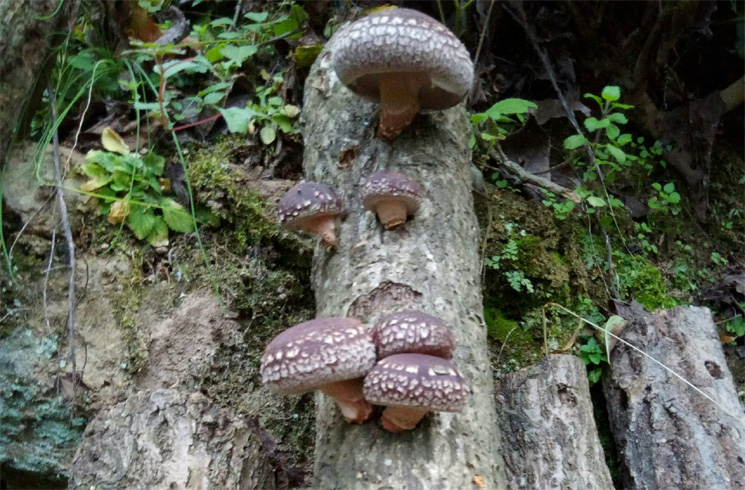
point(397, 418)
point(322, 225)
point(350, 399)
point(392, 210)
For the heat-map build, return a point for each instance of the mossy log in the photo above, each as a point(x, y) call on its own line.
point(430, 264)
point(669, 435)
point(549, 434)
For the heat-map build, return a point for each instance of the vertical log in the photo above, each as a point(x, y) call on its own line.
point(549, 434)
point(668, 435)
point(431, 264)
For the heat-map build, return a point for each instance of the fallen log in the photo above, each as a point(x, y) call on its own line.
point(669, 435)
point(548, 431)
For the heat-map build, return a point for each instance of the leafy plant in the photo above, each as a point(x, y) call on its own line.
point(562, 210)
point(487, 124)
point(507, 258)
point(132, 188)
point(593, 355)
point(736, 324)
point(666, 200)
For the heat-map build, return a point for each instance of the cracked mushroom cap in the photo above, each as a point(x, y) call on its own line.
point(403, 41)
point(386, 185)
point(317, 352)
point(416, 380)
point(413, 332)
point(306, 202)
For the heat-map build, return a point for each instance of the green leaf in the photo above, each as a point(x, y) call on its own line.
point(141, 220)
point(596, 202)
point(95, 170)
point(154, 163)
point(592, 124)
point(673, 198)
point(612, 131)
point(257, 16)
point(617, 118)
point(238, 118)
point(574, 141)
point(617, 153)
point(177, 218)
point(657, 186)
point(213, 98)
point(158, 236)
point(238, 54)
point(593, 97)
point(594, 375)
point(623, 139)
point(284, 122)
point(290, 110)
point(222, 21)
point(611, 93)
point(197, 65)
point(214, 54)
point(669, 187)
point(268, 135)
point(510, 106)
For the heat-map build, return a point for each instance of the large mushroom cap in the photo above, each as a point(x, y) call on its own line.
point(413, 332)
point(307, 201)
point(317, 352)
point(416, 380)
point(403, 41)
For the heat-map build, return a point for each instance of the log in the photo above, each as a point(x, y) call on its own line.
point(161, 440)
point(549, 434)
point(668, 435)
point(430, 264)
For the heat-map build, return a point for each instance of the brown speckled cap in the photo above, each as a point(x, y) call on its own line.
point(413, 332)
point(403, 41)
point(307, 201)
point(385, 185)
point(416, 380)
point(313, 353)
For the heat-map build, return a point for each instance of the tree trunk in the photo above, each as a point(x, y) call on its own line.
point(430, 264)
point(160, 440)
point(25, 45)
point(668, 435)
point(549, 434)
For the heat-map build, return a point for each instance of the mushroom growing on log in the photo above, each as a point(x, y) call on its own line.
point(392, 196)
point(405, 60)
point(312, 207)
point(413, 332)
point(410, 385)
point(327, 354)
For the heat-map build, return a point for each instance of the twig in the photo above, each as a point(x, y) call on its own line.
point(70, 248)
point(611, 268)
point(498, 156)
point(483, 33)
point(46, 280)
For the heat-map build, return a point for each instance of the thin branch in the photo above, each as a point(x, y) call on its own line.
point(70, 248)
point(483, 33)
point(46, 280)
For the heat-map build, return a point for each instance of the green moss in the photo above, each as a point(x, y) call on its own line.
point(640, 280)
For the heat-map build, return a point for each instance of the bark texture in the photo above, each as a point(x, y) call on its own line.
point(26, 39)
point(668, 435)
point(549, 435)
point(430, 264)
point(163, 440)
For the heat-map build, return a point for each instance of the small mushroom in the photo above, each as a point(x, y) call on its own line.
point(392, 196)
point(327, 354)
point(410, 385)
point(405, 60)
point(412, 332)
point(312, 207)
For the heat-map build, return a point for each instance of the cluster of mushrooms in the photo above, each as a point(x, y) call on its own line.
point(408, 63)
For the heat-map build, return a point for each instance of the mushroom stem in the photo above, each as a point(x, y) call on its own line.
point(392, 213)
point(324, 227)
point(399, 100)
point(348, 395)
point(399, 419)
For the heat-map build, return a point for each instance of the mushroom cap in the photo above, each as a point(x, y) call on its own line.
point(403, 41)
point(385, 185)
point(413, 332)
point(317, 352)
point(416, 380)
point(306, 202)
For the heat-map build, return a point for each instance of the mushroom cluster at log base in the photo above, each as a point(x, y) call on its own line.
point(392, 196)
point(327, 354)
point(312, 207)
point(412, 332)
point(406, 61)
point(410, 385)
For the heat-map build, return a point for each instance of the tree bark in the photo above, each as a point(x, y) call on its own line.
point(430, 264)
point(549, 434)
point(25, 44)
point(161, 440)
point(668, 435)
